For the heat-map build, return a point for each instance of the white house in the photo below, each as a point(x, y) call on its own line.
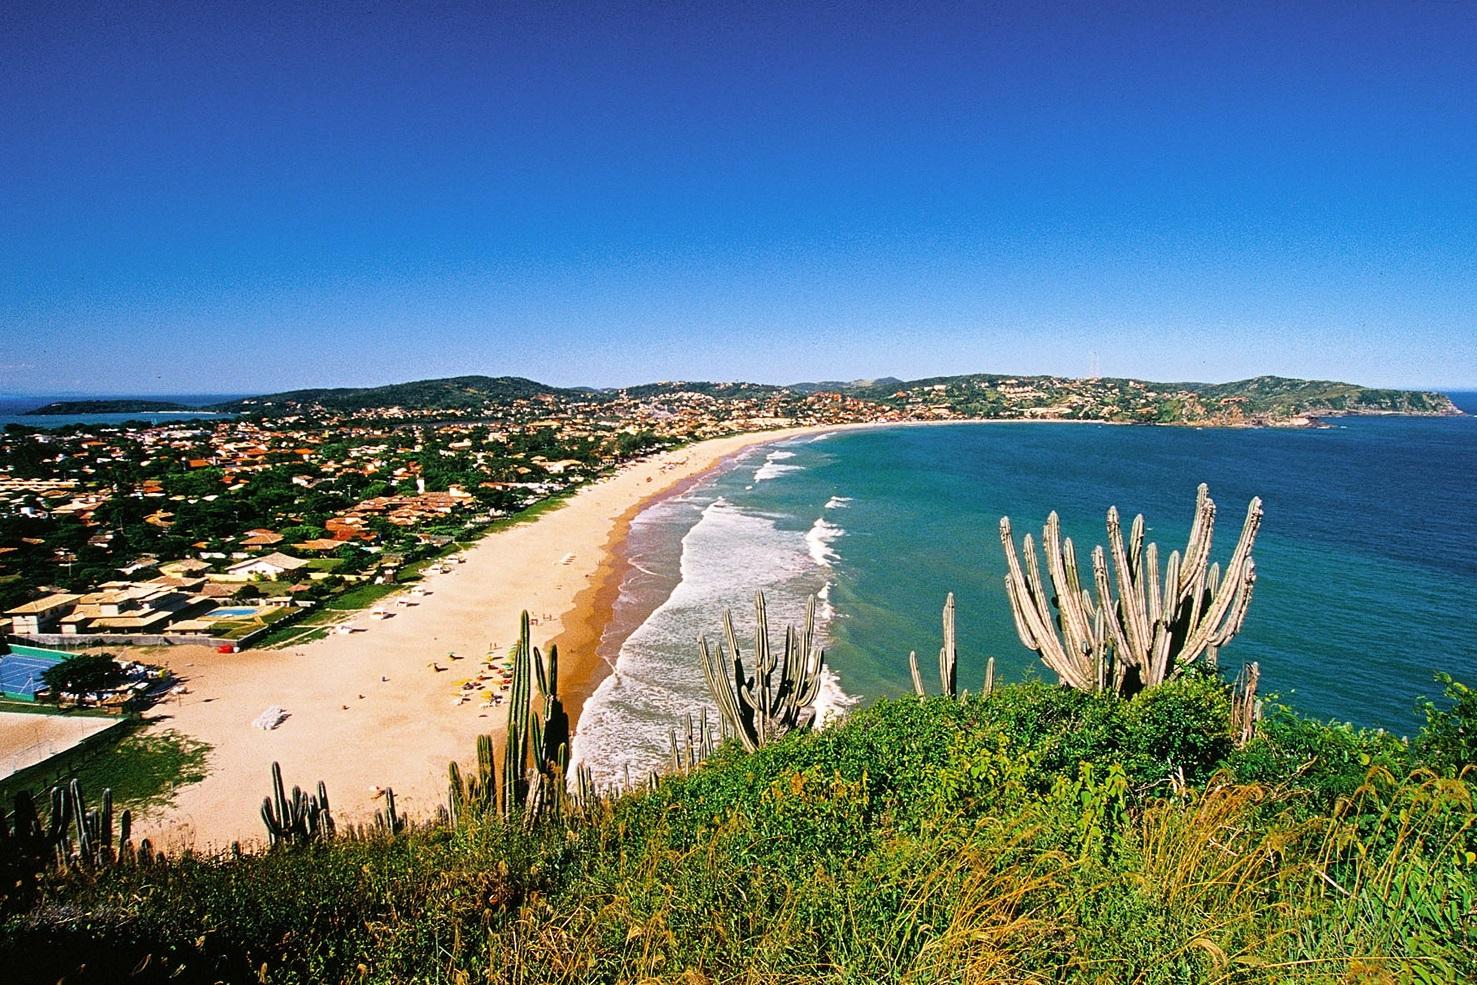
point(273, 565)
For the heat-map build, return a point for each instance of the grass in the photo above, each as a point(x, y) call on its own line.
point(361, 597)
point(1026, 837)
point(143, 765)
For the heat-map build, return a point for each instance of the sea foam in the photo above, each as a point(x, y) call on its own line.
point(774, 466)
point(727, 556)
point(818, 541)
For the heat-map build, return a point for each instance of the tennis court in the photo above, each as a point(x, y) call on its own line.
point(20, 675)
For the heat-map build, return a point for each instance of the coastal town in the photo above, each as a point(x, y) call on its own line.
point(230, 529)
point(221, 530)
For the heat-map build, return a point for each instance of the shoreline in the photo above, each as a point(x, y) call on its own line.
point(588, 624)
point(375, 708)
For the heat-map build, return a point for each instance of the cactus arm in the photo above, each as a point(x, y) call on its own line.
point(949, 653)
point(1032, 619)
point(1197, 546)
point(725, 694)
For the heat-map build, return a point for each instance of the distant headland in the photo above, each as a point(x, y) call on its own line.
point(1263, 401)
point(60, 408)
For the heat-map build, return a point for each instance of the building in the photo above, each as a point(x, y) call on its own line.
point(42, 615)
point(273, 565)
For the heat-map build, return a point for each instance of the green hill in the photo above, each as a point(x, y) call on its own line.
point(1279, 395)
point(1265, 399)
point(454, 393)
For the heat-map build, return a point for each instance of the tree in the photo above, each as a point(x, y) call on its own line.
point(301, 532)
point(83, 673)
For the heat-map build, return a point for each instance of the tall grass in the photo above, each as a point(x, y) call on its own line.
point(1034, 836)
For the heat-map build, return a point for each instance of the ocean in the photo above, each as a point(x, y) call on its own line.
point(14, 408)
point(1366, 559)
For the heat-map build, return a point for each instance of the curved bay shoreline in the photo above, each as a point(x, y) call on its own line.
point(374, 709)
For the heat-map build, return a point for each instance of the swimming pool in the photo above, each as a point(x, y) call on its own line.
point(234, 612)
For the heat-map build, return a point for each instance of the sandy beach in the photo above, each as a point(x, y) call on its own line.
point(371, 709)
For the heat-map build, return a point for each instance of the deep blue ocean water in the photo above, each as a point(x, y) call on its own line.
point(1367, 557)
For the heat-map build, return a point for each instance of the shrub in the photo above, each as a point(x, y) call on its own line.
point(1448, 742)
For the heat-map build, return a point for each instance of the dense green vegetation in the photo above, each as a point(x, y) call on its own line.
point(454, 392)
point(1039, 834)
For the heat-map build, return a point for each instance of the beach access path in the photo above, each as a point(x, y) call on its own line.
point(369, 710)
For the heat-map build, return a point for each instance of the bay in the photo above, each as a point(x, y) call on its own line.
point(1367, 557)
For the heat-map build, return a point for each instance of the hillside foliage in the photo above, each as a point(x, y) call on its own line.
point(1038, 834)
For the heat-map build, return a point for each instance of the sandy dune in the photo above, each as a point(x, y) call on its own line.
point(370, 710)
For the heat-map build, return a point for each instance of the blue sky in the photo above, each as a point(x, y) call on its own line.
point(244, 198)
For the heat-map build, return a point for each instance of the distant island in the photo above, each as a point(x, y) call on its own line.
point(63, 407)
point(1269, 401)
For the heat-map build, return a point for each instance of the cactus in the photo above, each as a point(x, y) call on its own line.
point(295, 819)
point(587, 797)
point(389, 820)
point(544, 736)
point(30, 846)
point(1140, 630)
point(536, 751)
point(1246, 707)
point(948, 658)
point(515, 755)
point(760, 709)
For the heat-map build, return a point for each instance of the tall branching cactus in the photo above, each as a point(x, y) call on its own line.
point(296, 819)
point(536, 749)
point(779, 697)
point(1143, 627)
point(544, 736)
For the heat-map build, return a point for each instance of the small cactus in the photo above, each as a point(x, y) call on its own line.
point(948, 658)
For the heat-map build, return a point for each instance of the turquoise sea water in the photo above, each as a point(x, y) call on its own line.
point(1367, 557)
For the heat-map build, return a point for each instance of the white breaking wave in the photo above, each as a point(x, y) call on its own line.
point(824, 611)
point(818, 540)
point(831, 702)
point(838, 502)
point(774, 466)
point(727, 556)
